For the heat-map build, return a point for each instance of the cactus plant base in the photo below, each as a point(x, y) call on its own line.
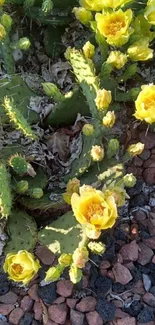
point(18, 90)
point(62, 235)
point(22, 231)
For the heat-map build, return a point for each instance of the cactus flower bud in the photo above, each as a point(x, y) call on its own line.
point(65, 260)
point(54, 273)
point(103, 99)
point(73, 185)
point(6, 21)
point(109, 119)
point(47, 6)
point(129, 180)
point(117, 59)
point(97, 153)
point(83, 15)
point(113, 145)
point(88, 50)
point(2, 32)
point(36, 193)
point(80, 257)
point(88, 129)
point(135, 149)
point(75, 274)
point(96, 248)
point(22, 187)
point(24, 43)
point(92, 232)
point(52, 90)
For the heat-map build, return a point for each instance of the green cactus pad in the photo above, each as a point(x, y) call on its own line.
point(44, 203)
point(62, 235)
point(22, 231)
point(18, 90)
point(40, 180)
point(57, 17)
point(5, 192)
point(11, 149)
point(19, 164)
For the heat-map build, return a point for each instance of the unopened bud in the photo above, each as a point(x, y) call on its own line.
point(73, 185)
point(135, 149)
point(36, 193)
point(88, 50)
point(6, 21)
point(65, 260)
point(23, 44)
point(113, 145)
point(103, 99)
point(88, 129)
point(22, 186)
point(2, 32)
point(83, 15)
point(97, 153)
point(47, 6)
point(54, 273)
point(52, 90)
point(80, 257)
point(117, 59)
point(109, 119)
point(129, 180)
point(96, 248)
point(75, 274)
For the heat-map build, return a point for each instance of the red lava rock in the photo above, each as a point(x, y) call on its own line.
point(76, 317)
point(151, 223)
point(49, 322)
point(130, 251)
point(121, 273)
point(126, 321)
point(37, 310)
point(150, 323)
point(68, 322)
point(129, 265)
point(118, 258)
point(118, 303)
point(86, 304)
point(138, 161)
point(149, 298)
point(104, 265)
point(149, 176)
point(150, 163)
point(139, 215)
point(33, 292)
point(85, 281)
point(148, 139)
point(120, 314)
point(138, 288)
point(26, 303)
point(153, 259)
point(150, 242)
point(5, 309)
point(16, 316)
point(59, 300)
point(71, 303)
point(93, 318)
point(45, 255)
point(9, 298)
point(110, 274)
point(145, 254)
point(132, 169)
point(65, 288)
point(58, 313)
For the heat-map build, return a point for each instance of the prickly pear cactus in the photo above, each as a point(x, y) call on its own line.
point(18, 90)
point(22, 231)
point(19, 164)
point(35, 193)
point(5, 192)
point(38, 181)
point(43, 204)
point(62, 235)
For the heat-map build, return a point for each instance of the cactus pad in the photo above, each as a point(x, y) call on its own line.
point(22, 231)
point(19, 164)
point(5, 193)
point(44, 203)
point(62, 235)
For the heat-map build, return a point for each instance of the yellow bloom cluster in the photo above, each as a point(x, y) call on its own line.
point(145, 104)
point(94, 210)
point(21, 267)
point(115, 26)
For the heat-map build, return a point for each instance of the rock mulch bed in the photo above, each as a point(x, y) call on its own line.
point(117, 288)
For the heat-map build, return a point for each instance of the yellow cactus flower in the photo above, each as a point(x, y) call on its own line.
point(92, 209)
point(135, 149)
point(75, 274)
point(2, 32)
point(103, 99)
point(145, 104)
point(140, 51)
point(97, 153)
point(83, 15)
point(117, 59)
point(80, 257)
point(93, 5)
point(115, 26)
point(92, 232)
point(115, 3)
point(88, 50)
point(149, 13)
point(21, 267)
point(88, 129)
point(65, 259)
point(109, 119)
